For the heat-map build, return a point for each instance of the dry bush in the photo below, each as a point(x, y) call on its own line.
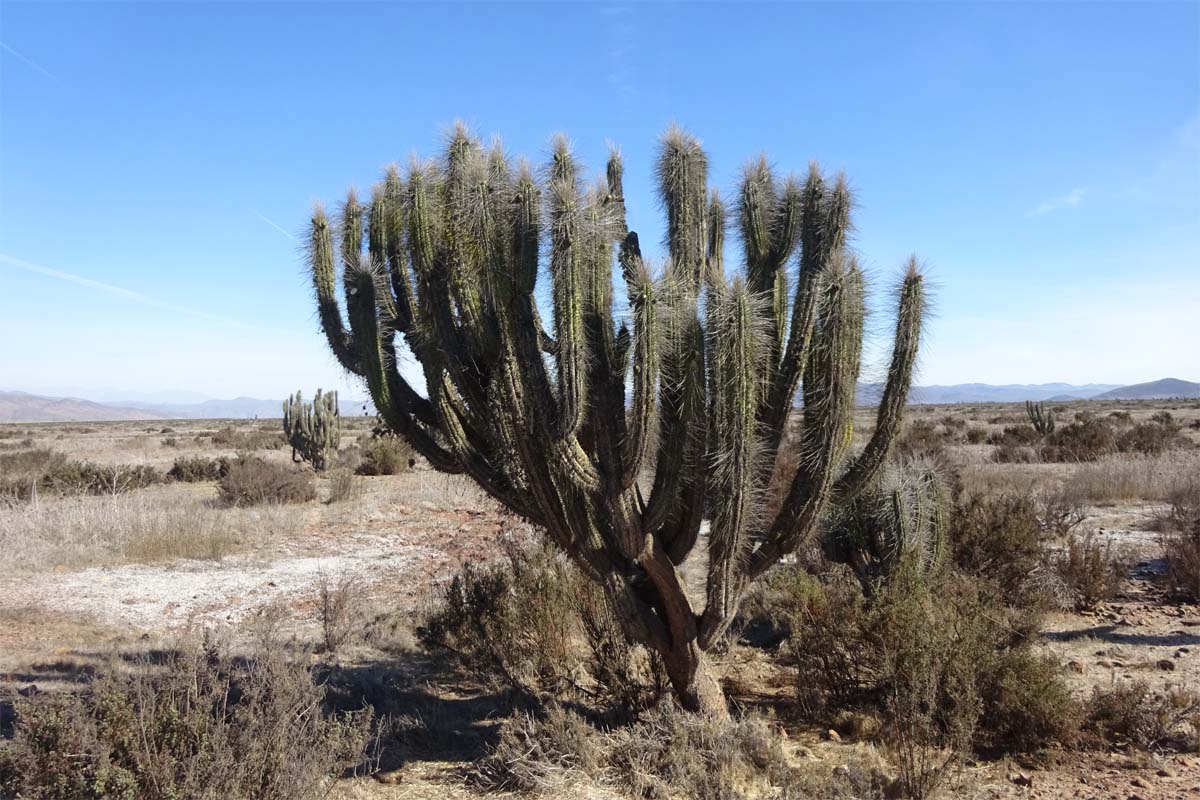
point(1086, 439)
point(944, 664)
point(256, 439)
point(1008, 453)
point(199, 725)
point(384, 455)
point(1131, 714)
point(252, 481)
point(1000, 538)
point(1059, 512)
point(923, 438)
point(976, 435)
point(1023, 435)
point(534, 625)
point(340, 608)
point(192, 469)
point(1091, 570)
point(666, 754)
point(24, 475)
point(1157, 436)
point(344, 485)
point(1181, 539)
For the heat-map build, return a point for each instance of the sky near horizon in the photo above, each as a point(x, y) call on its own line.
point(158, 162)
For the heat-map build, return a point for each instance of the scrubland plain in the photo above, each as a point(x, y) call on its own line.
point(426, 644)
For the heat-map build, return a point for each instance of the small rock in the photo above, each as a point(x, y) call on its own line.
point(833, 735)
point(1139, 783)
point(1075, 666)
point(1165, 773)
point(1166, 664)
point(1021, 779)
point(841, 771)
point(1104, 663)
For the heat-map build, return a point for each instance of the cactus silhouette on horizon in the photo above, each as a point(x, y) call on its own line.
point(313, 429)
point(618, 437)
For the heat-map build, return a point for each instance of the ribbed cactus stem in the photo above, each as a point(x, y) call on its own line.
point(313, 429)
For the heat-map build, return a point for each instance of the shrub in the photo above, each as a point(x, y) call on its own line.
point(1131, 714)
point(1014, 454)
point(1151, 438)
point(1181, 540)
point(86, 477)
point(922, 438)
point(190, 469)
point(384, 455)
point(1059, 512)
point(252, 481)
point(339, 606)
point(234, 439)
point(1087, 438)
point(976, 435)
point(343, 485)
point(666, 754)
point(532, 624)
point(946, 665)
point(203, 725)
point(1023, 435)
point(1092, 571)
point(1000, 538)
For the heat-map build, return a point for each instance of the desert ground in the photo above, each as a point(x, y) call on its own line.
point(91, 583)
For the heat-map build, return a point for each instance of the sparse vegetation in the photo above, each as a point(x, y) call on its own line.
point(203, 725)
point(250, 481)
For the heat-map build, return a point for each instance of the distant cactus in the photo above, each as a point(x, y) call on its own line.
point(1041, 419)
point(897, 522)
point(694, 387)
point(313, 431)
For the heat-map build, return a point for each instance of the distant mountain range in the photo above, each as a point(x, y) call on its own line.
point(24, 407)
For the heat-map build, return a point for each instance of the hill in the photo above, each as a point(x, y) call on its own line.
point(1154, 390)
point(24, 407)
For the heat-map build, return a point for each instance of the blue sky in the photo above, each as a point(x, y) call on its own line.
point(157, 159)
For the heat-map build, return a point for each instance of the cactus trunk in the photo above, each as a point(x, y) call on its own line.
point(560, 423)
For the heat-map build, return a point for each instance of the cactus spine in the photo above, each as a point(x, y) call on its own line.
point(1041, 419)
point(897, 522)
point(538, 415)
point(313, 430)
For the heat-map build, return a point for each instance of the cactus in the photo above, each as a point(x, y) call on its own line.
point(558, 422)
point(897, 522)
point(313, 431)
point(1041, 419)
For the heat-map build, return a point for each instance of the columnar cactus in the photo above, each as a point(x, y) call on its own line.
point(1041, 419)
point(897, 522)
point(560, 423)
point(313, 431)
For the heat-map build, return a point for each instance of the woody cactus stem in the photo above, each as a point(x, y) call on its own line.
point(560, 422)
point(1041, 419)
point(313, 430)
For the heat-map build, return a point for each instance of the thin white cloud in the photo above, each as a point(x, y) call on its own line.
point(1071, 199)
point(118, 291)
point(29, 62)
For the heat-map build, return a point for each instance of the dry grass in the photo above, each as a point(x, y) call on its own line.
point(159, 524)
point(1127, 477)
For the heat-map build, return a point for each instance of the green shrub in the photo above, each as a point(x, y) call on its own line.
point(191, 469)
point(253, 481)
point(200, 725)
point(1023, 435)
